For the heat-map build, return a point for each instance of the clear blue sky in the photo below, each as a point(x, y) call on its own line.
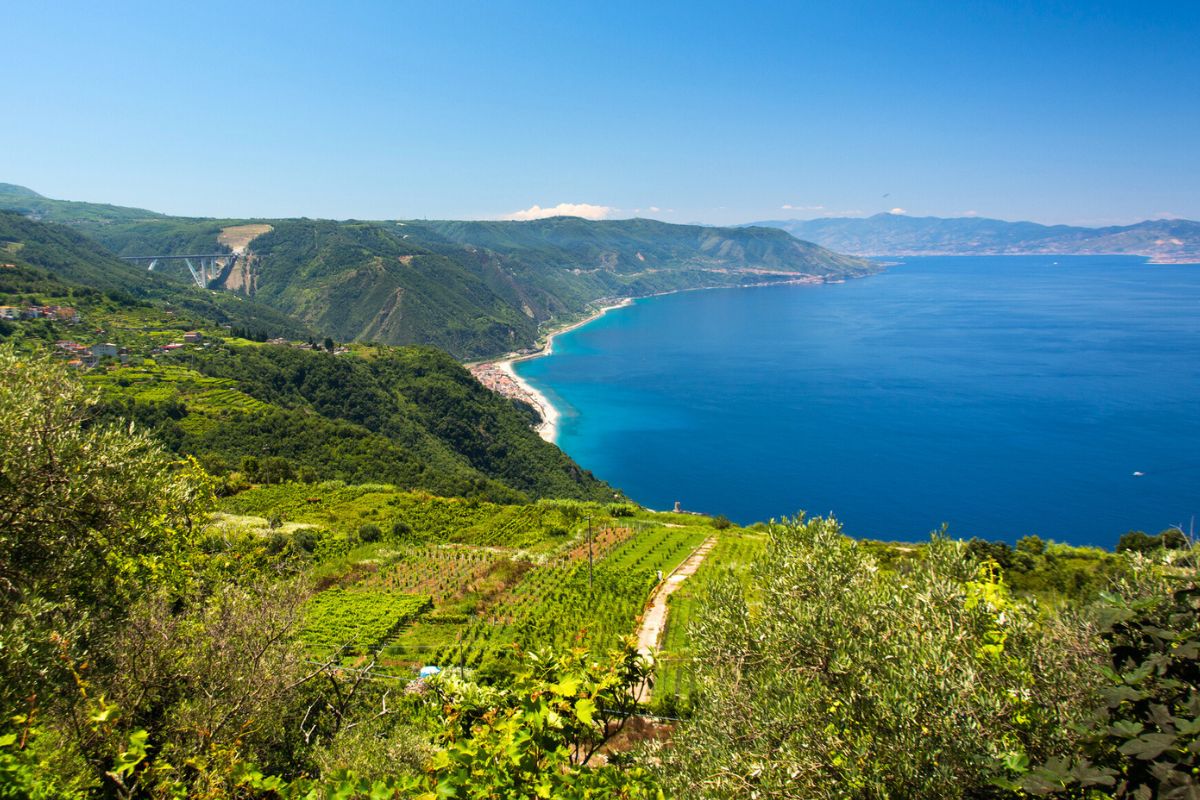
point(1073, 112)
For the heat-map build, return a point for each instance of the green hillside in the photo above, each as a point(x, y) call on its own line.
point(28, 202)
point(474, 289)
point(85, 268)
point(413, 417)
point(640, 248)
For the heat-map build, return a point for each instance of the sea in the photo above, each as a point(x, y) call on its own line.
point(998, 396)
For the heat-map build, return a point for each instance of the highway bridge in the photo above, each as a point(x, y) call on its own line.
point(207, 266)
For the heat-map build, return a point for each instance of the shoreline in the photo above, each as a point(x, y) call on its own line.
point(522, 389)
point(501, 376)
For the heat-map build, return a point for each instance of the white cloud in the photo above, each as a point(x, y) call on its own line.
point(790, 207)
point(654, 209)
point(585, 210)
point(897, 211)
point(1165, 215)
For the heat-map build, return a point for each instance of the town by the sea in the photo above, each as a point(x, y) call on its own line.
point(1002, 396)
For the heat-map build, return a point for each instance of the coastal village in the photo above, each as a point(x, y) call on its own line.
point(499, 377)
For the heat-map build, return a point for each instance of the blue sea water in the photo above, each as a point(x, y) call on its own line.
point(1002, 396)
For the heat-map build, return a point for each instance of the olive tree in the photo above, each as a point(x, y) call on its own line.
point(825, 676)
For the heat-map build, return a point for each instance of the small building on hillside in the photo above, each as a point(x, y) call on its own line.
point(193, 336)
point(106, 350)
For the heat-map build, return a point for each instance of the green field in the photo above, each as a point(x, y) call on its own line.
point(497, 577)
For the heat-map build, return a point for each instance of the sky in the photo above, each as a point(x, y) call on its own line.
point(1082, 113)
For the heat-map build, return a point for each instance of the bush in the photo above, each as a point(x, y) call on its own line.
point(369, 532)
point(721, 522)
point(1144, 738)
point(306, 539)
point(825, 676)
point(401, 530)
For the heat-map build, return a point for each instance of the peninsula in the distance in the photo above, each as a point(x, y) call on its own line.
point(1163, 241)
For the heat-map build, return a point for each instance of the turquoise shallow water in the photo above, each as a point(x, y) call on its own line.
point(1000, 395)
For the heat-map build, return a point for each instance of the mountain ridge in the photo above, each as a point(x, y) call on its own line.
point(474, 288)
point(1163, 241)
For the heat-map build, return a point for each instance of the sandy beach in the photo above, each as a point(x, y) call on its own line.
point(500, 375)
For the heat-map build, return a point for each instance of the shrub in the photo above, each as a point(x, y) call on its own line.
point(833, 678)
point(306, 539)
point(369, 532)
point(401, 530)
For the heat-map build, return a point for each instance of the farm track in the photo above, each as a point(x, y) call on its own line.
point(654, 621)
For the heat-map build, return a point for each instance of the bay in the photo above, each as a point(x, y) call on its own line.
point(1001, 396)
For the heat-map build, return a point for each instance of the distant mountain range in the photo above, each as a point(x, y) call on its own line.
point(1163, 241)
point(475, 289)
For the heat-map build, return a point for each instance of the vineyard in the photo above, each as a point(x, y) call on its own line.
point(357, 621)
point(731, 557)
point(159, 383)
point(492, 579)
point(556, 604)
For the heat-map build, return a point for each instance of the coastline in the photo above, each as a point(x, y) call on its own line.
point(501, 376)
point(510, 384)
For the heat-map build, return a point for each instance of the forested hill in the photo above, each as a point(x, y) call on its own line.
point(475, 289)
point(412, 417)
point(30, 203)
point(409, 416)
point(1162, 240)
point(643, 247)
point(37, 251)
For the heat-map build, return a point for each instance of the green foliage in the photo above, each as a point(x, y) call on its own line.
point(358, 621)
point(412, 417)
point(525, 740)
point(1142, 542)
point(86, 268)
point(91, 514)
point(1144, 738)
point(832, 678)
point(529, 739)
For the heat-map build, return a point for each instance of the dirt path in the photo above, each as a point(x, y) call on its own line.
point(655, 618)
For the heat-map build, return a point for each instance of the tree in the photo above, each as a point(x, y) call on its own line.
point(1033, 545)
point(87, 512)
point(1143, 739)
point(825, 676)
point(1138, 542)
point(92, 517)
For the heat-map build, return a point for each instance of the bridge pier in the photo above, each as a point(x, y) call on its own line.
point(203, 271)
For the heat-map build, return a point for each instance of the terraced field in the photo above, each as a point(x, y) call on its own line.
point(497, 578)
point(357, 621)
